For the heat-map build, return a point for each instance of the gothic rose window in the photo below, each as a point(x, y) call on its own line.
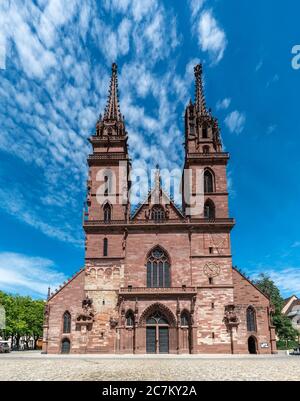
point(158, 269)
point(208, 182)
point(158, 213)
point(251, 319)
point(67, 322)
point(107, 213)
point(209, 210)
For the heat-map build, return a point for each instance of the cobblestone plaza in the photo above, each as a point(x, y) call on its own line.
point(34, 366)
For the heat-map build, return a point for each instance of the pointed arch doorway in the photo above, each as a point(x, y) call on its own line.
point(252, 345)
point(157, 334)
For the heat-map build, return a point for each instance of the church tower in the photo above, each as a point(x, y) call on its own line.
point(109, 163)
point(206, 183)
point(107, 212)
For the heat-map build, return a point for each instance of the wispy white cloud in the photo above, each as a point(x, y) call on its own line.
point(273, 80)
point(286, 278)
point(51, 104)
point(223, 104)
point(230, 185)
point(210, 35)
point(235, 122)
point(271, 128)
point(195, 7)
point(259, 65)
point(25, 274)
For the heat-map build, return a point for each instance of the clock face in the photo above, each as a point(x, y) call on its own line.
point(211, 269)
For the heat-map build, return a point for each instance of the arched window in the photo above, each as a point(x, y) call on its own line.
point(158, 269)
point(204, 132)
point(105, 247)
point(209, 210)
point(108, 177)
point(206, 150)
point(157, 318)
point(208, 182)
point(184, 319)
point(65, 346)
point(251, 319)
point(67, 322)
point(158, 213)
point(107, 213)
point(130, 319)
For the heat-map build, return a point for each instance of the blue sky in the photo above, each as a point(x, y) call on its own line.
point(55, 59)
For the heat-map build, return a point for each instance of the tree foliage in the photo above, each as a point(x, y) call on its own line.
point(24, 317)
point(282, 323)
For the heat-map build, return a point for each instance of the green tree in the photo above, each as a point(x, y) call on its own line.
point(24, 318)
point(282, 323)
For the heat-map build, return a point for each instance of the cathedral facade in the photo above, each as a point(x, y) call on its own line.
point(159, 280)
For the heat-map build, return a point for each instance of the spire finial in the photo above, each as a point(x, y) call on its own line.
point(157, 177)
point(49, 293)
point(199, 92)
point(112, 109)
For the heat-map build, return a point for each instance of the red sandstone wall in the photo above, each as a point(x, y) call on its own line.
point(69, 298)
point(246, 294)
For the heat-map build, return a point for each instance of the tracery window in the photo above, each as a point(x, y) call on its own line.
point(107, 213)
point(158, 213)
point(208, 182)
point(108, 177)
point(67, 322)
point(251, 319)
point(129, 319)
point(184, 319)
point(157, 318)
point(209, 210)
point(158, 269)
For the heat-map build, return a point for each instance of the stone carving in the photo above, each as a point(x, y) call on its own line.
point(46, 314)
point(124, 241)
point(113, 322)
point(87, 303)
point(86, 317)
point(231, 318)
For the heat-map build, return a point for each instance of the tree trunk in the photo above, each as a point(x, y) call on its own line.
point(17, 342)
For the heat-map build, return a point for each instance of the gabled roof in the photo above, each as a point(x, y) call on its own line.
point(65, 284)
point(147, 202)
point(158, 194)
point(250, 282)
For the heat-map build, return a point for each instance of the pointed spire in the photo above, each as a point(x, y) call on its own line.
point(199, 92)
point(112, 109)
point(157, 182)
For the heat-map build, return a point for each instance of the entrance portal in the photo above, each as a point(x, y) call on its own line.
point(157, 334)
point(252, 348)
